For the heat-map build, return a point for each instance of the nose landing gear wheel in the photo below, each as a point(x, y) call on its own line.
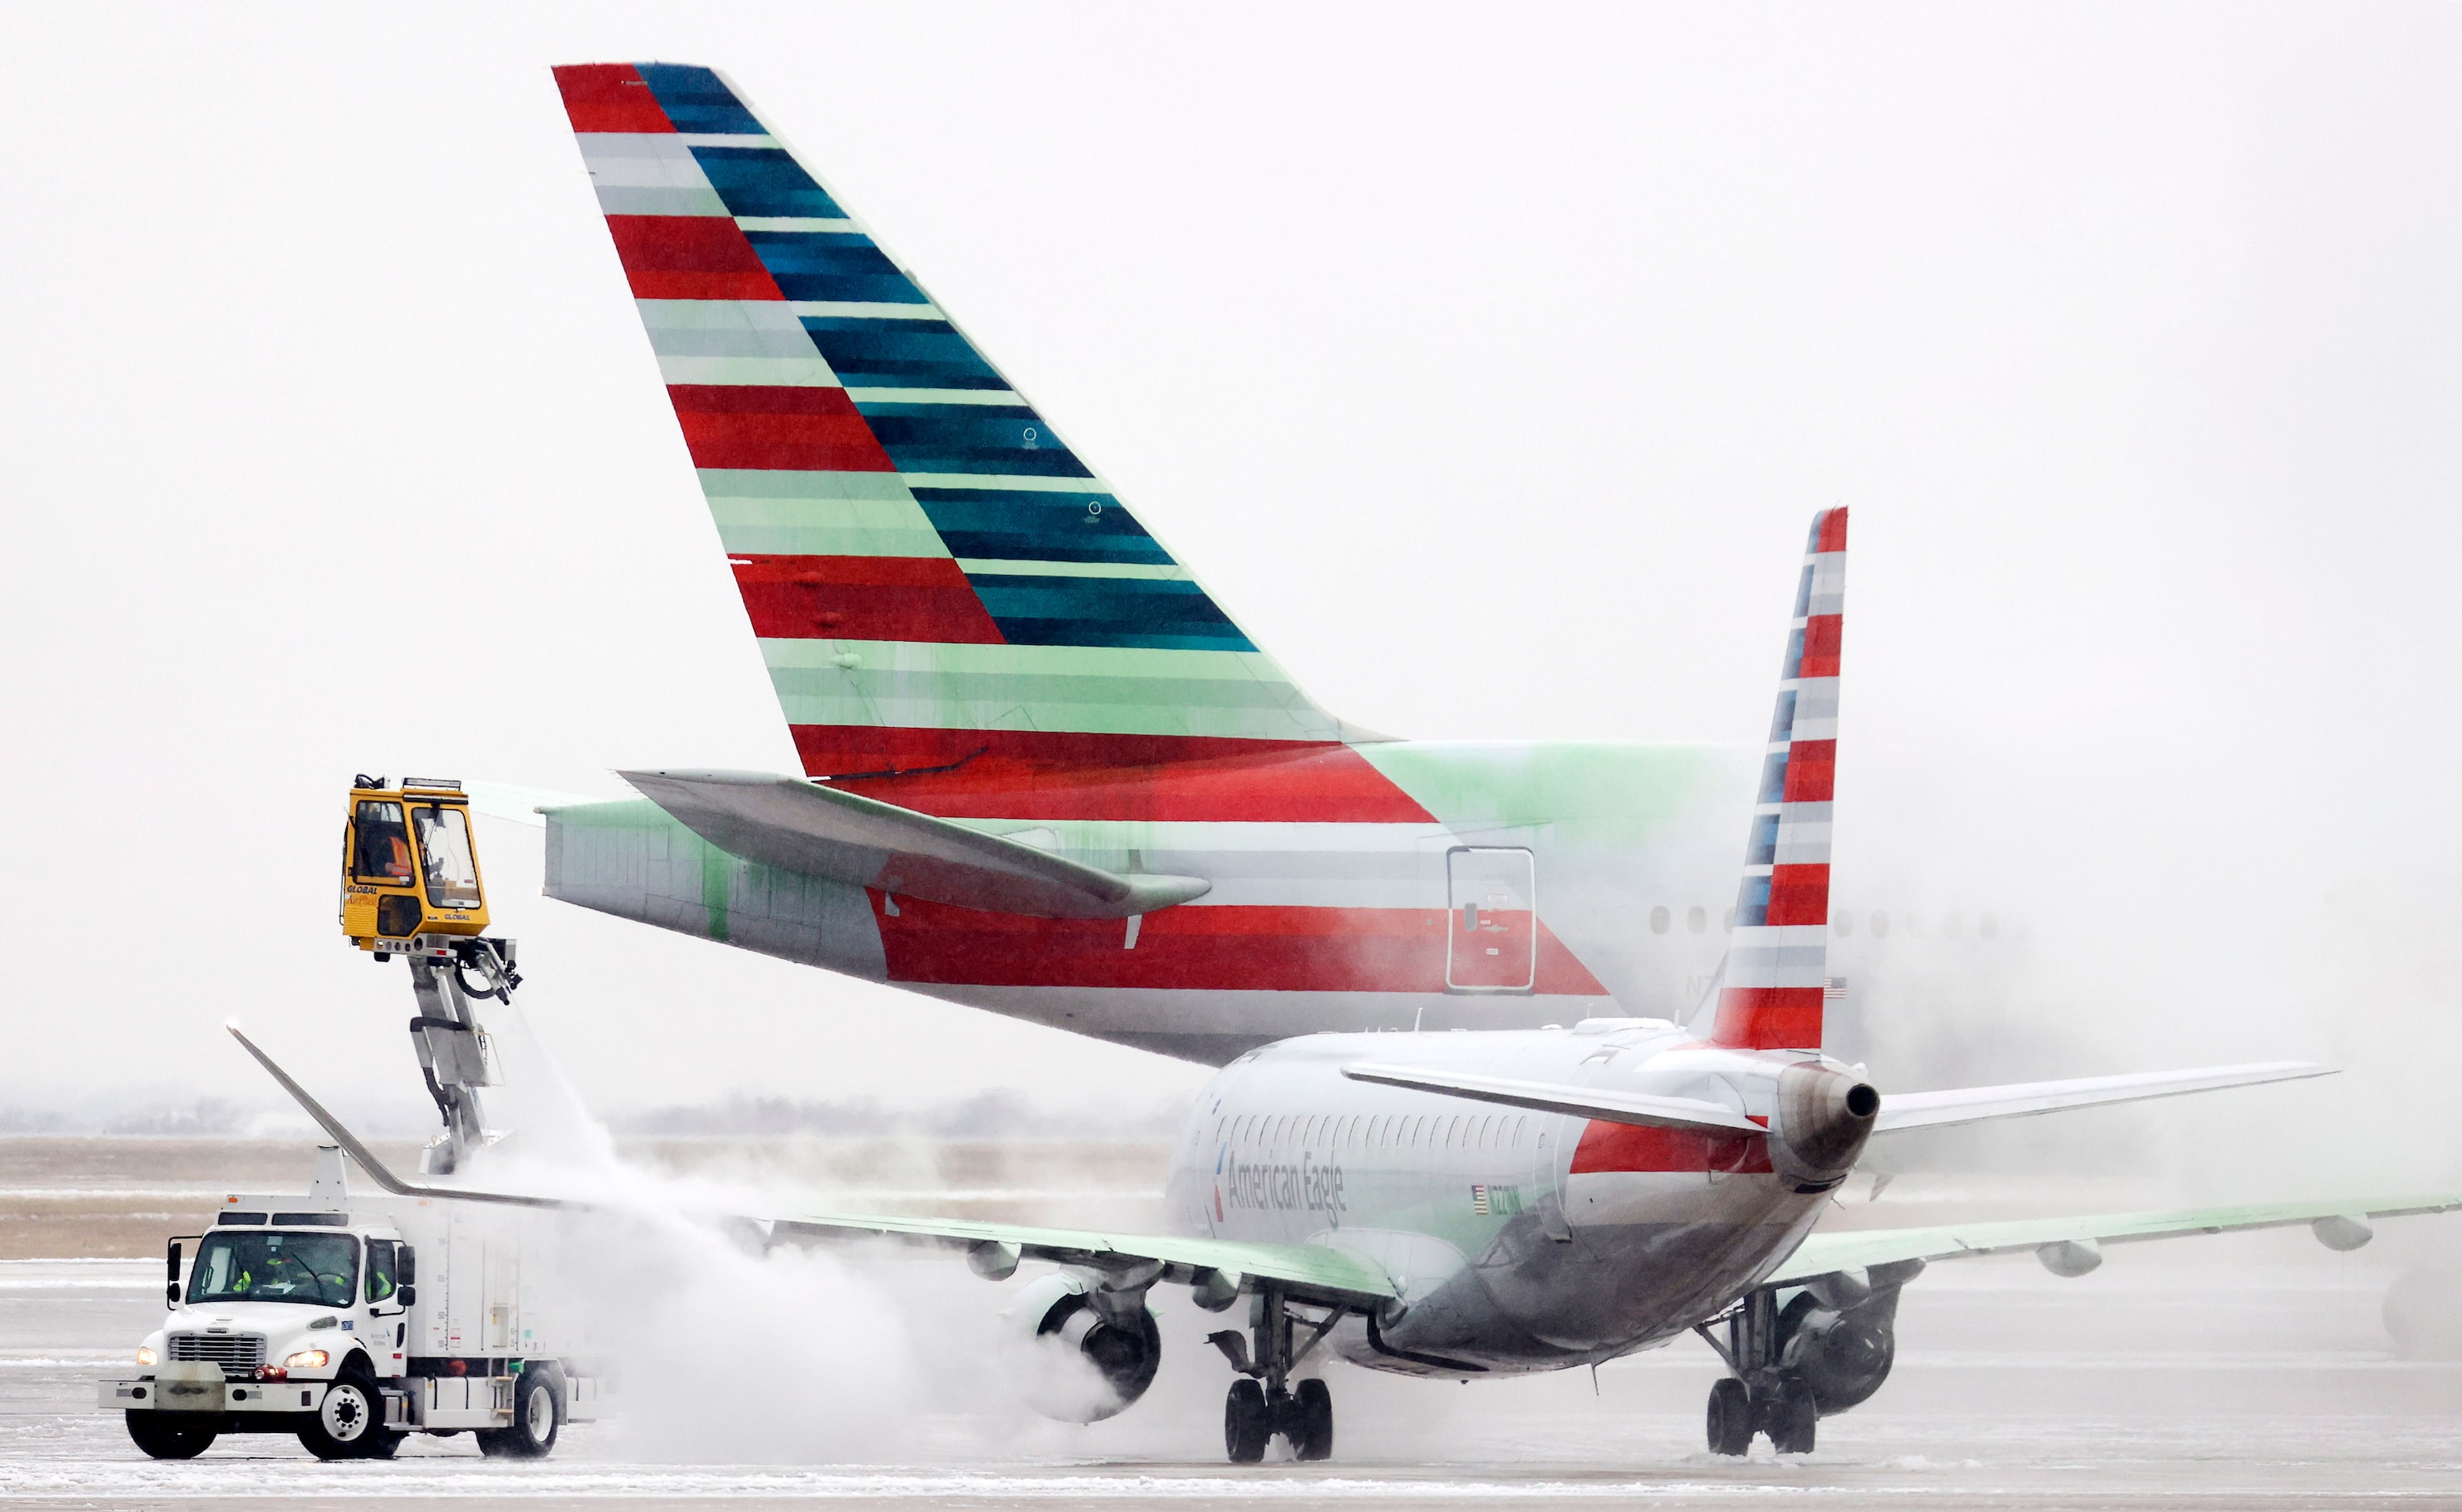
point(1247, 1423)
point(1730, 1417)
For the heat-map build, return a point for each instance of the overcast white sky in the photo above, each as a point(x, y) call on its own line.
point(1486, 361)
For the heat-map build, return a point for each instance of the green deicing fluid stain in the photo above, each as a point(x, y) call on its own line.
point(717, 879)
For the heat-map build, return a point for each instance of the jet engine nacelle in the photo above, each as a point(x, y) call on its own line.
point(1078, 1351)
point(1841, 1333)
point(1843, 1356)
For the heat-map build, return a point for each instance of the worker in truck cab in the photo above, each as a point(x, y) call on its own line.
point(381, 1267)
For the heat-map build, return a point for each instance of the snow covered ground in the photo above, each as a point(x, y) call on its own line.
point(2231, 1372)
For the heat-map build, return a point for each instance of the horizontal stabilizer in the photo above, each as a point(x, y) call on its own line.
point(820, 831)
point(1934, 1110)
point(357, 1148)
point(1588, 1102)
point(522, 804)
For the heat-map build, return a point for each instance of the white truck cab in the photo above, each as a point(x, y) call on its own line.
point(308, 1316)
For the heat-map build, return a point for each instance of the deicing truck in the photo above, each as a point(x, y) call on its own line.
point(354, 1321)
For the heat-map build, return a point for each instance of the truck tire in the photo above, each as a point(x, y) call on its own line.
point(163, 1436)
point(350, 1417)
point(538, 1417)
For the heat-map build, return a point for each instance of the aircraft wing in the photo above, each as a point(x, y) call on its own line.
point(1824, 1254)
point(1936, 1110)
point(827, 832)
point(1320, 1269)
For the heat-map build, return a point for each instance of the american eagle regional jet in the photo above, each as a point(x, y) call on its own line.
point(1046, 774)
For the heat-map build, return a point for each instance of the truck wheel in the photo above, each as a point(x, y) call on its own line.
point(538, 1416)
point(162, 1436)
point(349, 1419)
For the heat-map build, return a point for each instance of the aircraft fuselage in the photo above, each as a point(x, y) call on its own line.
point(1436, 885)
point(1519, 1240)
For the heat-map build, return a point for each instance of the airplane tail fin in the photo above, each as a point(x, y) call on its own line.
point(1770, 990)
point(937, 579)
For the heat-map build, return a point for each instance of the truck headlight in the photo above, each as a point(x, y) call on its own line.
point(145, 1354)
point(306, 1360)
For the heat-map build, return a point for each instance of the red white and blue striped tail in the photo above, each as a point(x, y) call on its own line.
point(1769, 995)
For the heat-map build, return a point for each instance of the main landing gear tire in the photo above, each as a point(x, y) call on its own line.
point(350, 1417)
point(1310, 1426)
point(538, 1417)
point(1785, 1410)
point(1252, 1415)
point(163, 1436)
point(1246, 1422)
point(1790, 1416)
point(1730, 1417)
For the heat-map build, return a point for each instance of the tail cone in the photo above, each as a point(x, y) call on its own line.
point(1823, 1117)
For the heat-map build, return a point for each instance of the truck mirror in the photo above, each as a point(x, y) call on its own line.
point(171, 1282)
point(407, 1296)
point(405, 1266)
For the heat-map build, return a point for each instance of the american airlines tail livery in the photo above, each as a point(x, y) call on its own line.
point(1046, 774)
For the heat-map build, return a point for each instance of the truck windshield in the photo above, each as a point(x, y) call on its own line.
point(319, 1270)
point(445, 844)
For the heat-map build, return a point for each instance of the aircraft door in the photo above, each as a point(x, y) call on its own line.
point(1492, 943)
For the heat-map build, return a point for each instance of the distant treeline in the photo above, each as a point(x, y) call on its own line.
point(206, 1117)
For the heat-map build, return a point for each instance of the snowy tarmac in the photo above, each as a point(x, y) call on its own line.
point(2246, 1371)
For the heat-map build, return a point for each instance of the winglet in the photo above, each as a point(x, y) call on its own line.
point(358, 1151)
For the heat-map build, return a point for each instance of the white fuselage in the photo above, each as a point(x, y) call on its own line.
point(1518, 1240)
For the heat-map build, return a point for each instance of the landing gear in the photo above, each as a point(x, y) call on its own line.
point(1251, 1417)
point(1731, 1417)
point(1311, 1422)
point(1762, 1395)
point(1782, 1409)
point(1247, 1423)
point(1265, 1402)
point(1788, 1416)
